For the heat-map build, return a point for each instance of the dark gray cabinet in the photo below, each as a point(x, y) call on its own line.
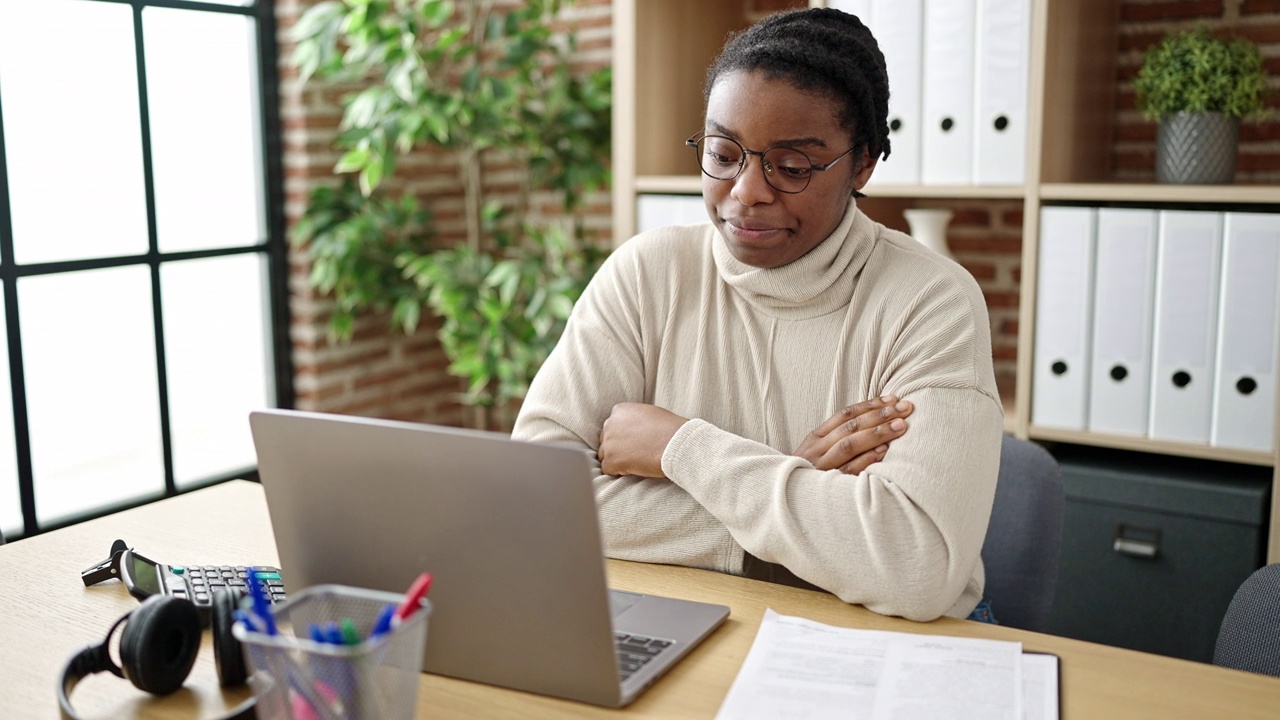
point(1154, 547)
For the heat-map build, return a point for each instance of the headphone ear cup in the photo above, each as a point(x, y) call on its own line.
point(228, 653)
point(160, 643)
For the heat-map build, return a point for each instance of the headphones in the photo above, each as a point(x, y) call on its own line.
point(158, 647)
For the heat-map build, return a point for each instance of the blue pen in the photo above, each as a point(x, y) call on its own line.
point(334, 633)
point(260, 605)
point(383, 624)
point(245, 618)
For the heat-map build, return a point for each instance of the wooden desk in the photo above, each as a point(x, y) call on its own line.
point(46, 614)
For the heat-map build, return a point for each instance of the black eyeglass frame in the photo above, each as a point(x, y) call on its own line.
point(698, 137)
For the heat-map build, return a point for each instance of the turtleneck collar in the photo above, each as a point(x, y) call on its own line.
point(815, 284)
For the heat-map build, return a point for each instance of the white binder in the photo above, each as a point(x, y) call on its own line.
point(1001, 79)
point(1064, 295)
point(949, 39)
point(1124, 293)
point(861, 8)
point(657, 210)
point(898, 26)
point(1245, 391)
point(1188, 258)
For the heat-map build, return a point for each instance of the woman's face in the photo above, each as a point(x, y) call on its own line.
point(764, 227)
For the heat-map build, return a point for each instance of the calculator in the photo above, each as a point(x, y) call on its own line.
point(144, 577)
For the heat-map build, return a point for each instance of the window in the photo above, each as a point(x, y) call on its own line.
point(142, 257)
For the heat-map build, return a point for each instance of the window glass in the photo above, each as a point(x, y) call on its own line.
point(215, 329)
point(88, 345)
point(71, 125)
point(201, 93)
point(10, 500)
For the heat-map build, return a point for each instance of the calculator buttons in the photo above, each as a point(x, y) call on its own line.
point(200, 582)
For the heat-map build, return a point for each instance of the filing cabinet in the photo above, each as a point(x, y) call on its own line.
point(1154, 548)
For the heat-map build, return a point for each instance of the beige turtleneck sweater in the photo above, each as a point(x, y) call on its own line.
point(758, 358)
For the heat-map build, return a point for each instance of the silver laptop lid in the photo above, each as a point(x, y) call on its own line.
point(508, 529)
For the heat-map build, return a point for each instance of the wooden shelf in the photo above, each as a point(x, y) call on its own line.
point(1151, 193)
point(679, 184)
point(1071, 119)
point(1140, 444)
point(959, 192)
point(692, 185)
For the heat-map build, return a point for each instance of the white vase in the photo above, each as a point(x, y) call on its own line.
point(929, 228)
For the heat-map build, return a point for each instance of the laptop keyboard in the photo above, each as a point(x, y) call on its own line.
point(635, 651)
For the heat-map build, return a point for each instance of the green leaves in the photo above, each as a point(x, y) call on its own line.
point(502, 314)
point(430, 78)
point(436, 12)
point(490, 85)
point(352, 242)
point(316, 33)
point(1193, 71)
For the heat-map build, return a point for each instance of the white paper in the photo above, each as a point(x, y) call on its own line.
point(1039, 687)
point(799, 669)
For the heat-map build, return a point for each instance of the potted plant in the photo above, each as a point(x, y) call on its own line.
point(1199, 87)
point(476, 81)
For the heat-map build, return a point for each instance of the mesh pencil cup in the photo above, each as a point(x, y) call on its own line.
point(297, 678)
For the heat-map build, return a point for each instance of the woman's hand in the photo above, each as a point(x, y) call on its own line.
point(857, 436)
point(633, 438)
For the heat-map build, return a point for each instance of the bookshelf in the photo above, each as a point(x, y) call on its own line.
point(663, 47)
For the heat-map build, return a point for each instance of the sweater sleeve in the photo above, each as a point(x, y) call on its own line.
point(902, 538)
point(598, 363)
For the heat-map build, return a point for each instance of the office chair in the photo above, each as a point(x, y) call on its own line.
point(1250, 635)
point(1020, 552)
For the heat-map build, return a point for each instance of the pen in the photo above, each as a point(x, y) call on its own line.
point(260, 607)
point(245, 618)
point(350, 636)
point(333, 634)
point(383, 624)
point(413, 598)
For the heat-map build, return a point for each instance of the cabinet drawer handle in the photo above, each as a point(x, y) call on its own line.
point(1139, 542)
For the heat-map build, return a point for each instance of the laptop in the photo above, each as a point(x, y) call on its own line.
point(508, 530)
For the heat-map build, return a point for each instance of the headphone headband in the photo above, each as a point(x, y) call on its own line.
point(84, 663)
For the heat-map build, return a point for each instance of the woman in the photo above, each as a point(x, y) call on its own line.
point(712, 368)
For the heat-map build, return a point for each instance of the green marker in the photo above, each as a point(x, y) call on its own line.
point(350, 636)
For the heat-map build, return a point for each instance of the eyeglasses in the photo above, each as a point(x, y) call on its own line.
point(787, 170)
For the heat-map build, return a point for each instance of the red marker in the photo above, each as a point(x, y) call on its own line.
point(413, 598)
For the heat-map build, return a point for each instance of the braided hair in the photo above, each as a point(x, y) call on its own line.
point(819, 50)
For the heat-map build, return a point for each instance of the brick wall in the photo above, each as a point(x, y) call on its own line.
point(986, 238)
point(386, 374)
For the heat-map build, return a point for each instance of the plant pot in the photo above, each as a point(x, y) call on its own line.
point(1197, 148)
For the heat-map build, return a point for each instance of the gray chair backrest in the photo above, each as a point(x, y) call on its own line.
point(1020, 553)
point(1250, 635)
